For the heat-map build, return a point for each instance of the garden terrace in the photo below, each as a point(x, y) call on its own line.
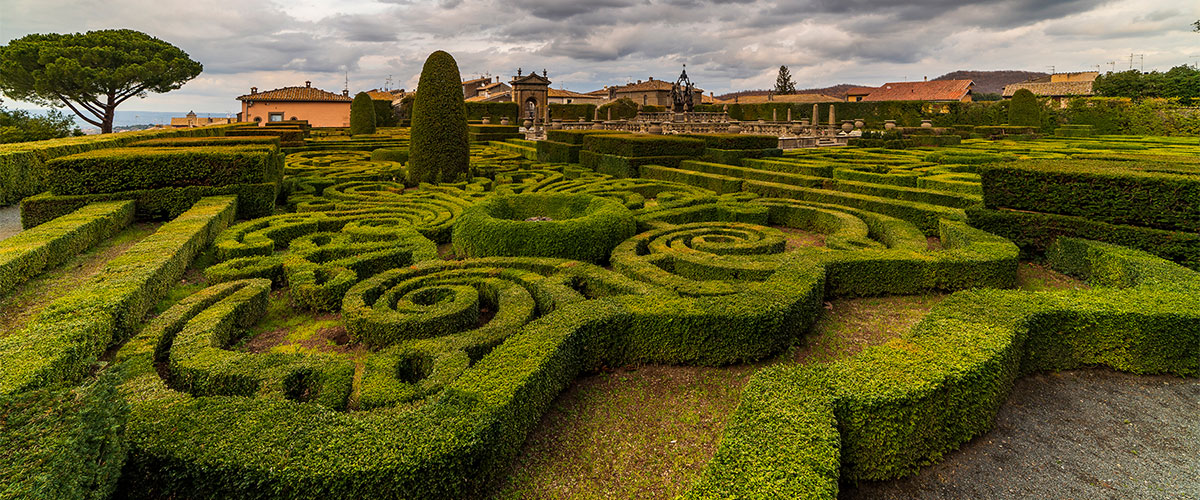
point(322, 326)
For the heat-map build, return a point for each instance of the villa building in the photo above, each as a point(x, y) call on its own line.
point(1059, 87)
point(320, 108)
point(930, 91)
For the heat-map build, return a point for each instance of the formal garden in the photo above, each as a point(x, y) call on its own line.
point(397, 312)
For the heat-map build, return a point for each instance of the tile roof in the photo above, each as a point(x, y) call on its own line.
point(933, 90)
point(1050, 89)
point(492, 86)
point(568, 93)
point(380, 95)
point(477, 80)
point(647, 85)
point(789, 98)
point(505, 96)
point(861, 90)
point(300, 94)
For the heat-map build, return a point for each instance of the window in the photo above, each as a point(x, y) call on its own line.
point(274, 117)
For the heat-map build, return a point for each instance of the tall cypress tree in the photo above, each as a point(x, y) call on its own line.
point(784, 83)
point(1024, 109)
point(439, 150)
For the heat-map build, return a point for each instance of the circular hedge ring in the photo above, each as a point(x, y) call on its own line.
point(569, 226)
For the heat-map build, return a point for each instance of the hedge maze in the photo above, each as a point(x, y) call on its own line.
point(462, 309)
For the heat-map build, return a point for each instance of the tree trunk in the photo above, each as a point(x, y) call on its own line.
point(110, 111)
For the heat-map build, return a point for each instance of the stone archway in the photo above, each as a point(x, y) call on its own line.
point(531, 108)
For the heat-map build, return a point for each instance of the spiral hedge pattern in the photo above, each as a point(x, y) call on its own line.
point(465, 320)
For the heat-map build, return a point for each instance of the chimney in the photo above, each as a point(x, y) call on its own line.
point(346, 92)
point(253, 90)
point(927, 78)
point(307, 83)
point(639, 81)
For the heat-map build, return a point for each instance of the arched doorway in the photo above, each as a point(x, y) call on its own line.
point(531, 108)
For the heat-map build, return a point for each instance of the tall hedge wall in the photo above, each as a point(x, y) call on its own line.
point(494, 111)
point(572, 112)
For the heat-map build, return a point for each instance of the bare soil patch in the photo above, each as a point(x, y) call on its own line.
point(847, 326)
point(799, 238)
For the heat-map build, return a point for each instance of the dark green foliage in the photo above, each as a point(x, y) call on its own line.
point(735, 156)
point(385, 114)
point(783, 82)
point(127, 169)
point(575, 137)
point(716, 183)
point(1024, 110)
point(631, 145)
point(557, 152)
point(96, 71)
point(288, 136)
point(624, 166)
point(63, 443)
point(582, 227)
point(17, 125)
point(28, 253)
point(1117, 192)
point(362, 115)
point(485, 133)
point(439, 150)
point(572, 112)
point(1179, 82)
point(494, 111)
point(736, 141)
point(620, 109)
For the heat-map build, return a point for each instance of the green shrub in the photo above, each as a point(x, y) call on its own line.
point(362, 115)
point(65, 443)
point(439, 150)
point(28, 253)
point(575, 137)
point(385, 114)
point(162, 204)
point(176, 142)
point(623, 166)
point(128, 169)
point(582, 227)
point(717, 183)
point(736, 141)
point(557, 152)
point(390, 154)
point(1024, 110)
point(572, 112)
point(494, 111)
point(630, 145)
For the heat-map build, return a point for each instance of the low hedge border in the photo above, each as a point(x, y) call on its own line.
point(631, 145)
point(60, 344)
point(28, 253)
point(131, 169)
point(623, 166)
point(736, 141)
point(254, 200)
point(1121, 192)
point(557, 152)
point(1036, 232)
point(925, 216)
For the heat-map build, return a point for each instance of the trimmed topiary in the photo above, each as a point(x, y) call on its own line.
point(362, 115)
point(439, 150)
point(572, 226)
point(1024, 110)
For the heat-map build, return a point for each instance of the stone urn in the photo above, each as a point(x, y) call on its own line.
point(655, 129)
point(556, 125)
point(796, 129)
point(528, 124)
point(926, 123)
point(735, 128)
point(889, 124)
point(504, 120)
point(597, 125)
point(847, 126)
point(859, 123)
point(804, 122)
point(487, 120)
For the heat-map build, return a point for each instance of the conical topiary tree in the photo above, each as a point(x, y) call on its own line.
point(362, 115)
point(438, 148)
point(1024, 110)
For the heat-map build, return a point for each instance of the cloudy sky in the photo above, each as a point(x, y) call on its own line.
point(726, 44)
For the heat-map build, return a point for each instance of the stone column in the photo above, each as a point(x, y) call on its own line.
point(816, 117)
point(789, 113)
point(832, 118)
point(774, 114)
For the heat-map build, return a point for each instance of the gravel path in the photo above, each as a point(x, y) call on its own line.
point(1085, 434)
point(10, 221)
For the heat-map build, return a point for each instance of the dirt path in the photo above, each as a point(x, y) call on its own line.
point(10, 221)
point(1085, 434)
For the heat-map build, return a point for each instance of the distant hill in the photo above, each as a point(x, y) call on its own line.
point(986, 82)
point(838, 91)
point(991, 82)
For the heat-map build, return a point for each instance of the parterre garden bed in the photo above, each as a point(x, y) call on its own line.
point(313, 327)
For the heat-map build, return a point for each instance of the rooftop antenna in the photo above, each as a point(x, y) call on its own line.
point(1051, 67)
point(346, 85)
point(1142, 62)
point(1112, 66)
point(387, 84)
